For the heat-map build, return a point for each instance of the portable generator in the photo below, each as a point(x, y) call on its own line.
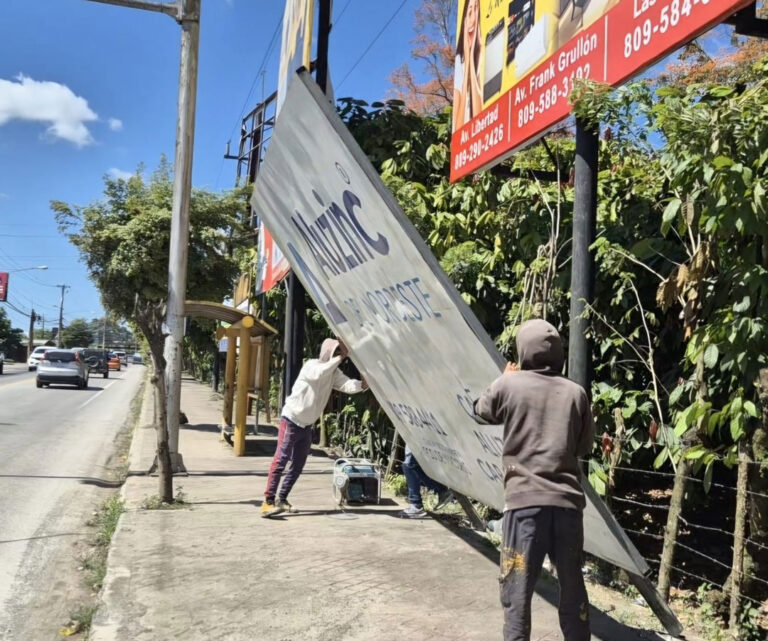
point(356, 480)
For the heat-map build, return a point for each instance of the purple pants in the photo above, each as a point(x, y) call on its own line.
point(293, 444)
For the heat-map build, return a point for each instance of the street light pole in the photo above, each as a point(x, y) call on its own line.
point(187, 14)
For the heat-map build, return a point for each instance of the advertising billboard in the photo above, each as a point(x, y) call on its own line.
point(423, 352)
point(295, 45)
point(272, 266)
point(517, 60)
point(3, 286)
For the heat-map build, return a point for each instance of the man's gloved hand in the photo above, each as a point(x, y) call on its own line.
point(511, 367)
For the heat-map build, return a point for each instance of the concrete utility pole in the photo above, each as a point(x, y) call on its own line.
point(61, 314)
point(187, 14)
point(31, 338)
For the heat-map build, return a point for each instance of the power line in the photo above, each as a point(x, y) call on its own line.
point(341, 13)
point(376, 37)
point(261, 67)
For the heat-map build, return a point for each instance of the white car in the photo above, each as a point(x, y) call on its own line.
point(36, 356)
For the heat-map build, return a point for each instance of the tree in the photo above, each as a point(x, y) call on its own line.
point(77, 334)
point(434, 51)
point(124, 240)
point(10, 338)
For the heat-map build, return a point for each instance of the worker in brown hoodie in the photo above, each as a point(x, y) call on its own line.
point(547, 425)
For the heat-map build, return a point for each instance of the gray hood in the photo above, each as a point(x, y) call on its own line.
point(539, 347)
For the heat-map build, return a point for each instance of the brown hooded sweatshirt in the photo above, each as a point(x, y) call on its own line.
point(547, 423)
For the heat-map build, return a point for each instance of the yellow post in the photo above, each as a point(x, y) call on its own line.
point(243, 371)
point(229, 378)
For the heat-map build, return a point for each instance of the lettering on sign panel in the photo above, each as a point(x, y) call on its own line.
point(423, 352)
point(517, 61)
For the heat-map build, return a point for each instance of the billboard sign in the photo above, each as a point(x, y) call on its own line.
point(423, 352)
point(517, 60)
point(3, 286)
point(296, 44)
point(272, 266)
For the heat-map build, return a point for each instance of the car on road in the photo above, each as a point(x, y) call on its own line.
point(114, 362)
point(36, 355)
point(122, 356)
point(136, 359)
point(97, 360)
point(62, 367)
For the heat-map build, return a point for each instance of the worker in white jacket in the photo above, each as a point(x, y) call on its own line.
point(308, 398)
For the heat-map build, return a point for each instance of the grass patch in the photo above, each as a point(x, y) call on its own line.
point(105, 521)
point(154, 502)
point(396, 484)
point(79, 621)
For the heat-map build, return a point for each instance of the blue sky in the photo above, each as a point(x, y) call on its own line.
point(114, 106)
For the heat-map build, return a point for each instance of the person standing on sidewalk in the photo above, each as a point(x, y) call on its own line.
point(547, 425)
point(415, 478)
point(308, 398)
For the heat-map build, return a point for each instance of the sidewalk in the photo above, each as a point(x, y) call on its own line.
point(217, 571)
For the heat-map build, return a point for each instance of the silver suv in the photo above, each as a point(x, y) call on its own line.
point(62, 367)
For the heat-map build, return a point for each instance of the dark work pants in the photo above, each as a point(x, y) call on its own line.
point(293, 445)
point(528, 535)
point(415, 477)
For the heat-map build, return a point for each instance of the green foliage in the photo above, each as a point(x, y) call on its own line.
point(10, 338)
point(123, 238)
point(77, 334)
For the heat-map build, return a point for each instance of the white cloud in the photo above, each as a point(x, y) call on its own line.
point(119, 173)
point(115, 124)
point(49, 102)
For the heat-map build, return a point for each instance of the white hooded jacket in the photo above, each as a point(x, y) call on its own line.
point(312, 389)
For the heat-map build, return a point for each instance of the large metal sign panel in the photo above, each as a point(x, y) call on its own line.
point(423, 352)
point(516, 61)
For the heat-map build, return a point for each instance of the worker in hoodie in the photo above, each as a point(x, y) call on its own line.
point(547, 425)
point(302, 408)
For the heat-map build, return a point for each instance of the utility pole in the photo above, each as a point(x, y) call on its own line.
point(187, 14)
point(31, 336)
point(61, 314)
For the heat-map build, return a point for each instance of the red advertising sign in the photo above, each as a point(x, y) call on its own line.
point(273, 266)
point(3, 286)
point(516, 62)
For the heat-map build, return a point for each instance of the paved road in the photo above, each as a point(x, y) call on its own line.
point(54, 445)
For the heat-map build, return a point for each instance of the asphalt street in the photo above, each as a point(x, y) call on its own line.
point(54, 446)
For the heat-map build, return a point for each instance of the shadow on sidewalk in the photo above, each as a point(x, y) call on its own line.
point(603, 626)
point(84, 480)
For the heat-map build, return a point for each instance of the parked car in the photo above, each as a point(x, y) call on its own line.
point(36, 355)
point(114, 362)
point(122, 356)
point(136, 359)
point(97, 360)
point(62, 367)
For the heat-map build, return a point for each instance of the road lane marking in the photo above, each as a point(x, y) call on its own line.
point(21, 382)
point(96, 394)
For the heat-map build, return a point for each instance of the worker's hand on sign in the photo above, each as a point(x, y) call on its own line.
point(364, 383)
point(511, 367)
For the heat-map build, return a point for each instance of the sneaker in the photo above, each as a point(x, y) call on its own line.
point(286, 506)
point(443, 498)
point(270, 508)
point(413, 512)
